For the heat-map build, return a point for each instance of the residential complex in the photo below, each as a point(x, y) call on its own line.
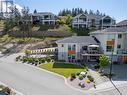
point(78, 48)
point(89, 20)
point(110, 41)
point(45, 18)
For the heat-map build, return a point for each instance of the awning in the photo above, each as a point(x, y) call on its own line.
point(93, 46)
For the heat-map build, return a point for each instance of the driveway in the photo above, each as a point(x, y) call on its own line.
point(31, 81)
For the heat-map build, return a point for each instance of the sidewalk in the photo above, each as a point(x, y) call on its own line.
point(99, 79)
point(108, 87)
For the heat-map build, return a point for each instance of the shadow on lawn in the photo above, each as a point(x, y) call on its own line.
point(67, 65)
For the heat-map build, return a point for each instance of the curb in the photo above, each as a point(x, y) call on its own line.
point(65, 80)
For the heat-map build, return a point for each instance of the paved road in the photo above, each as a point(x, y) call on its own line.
point(31, 81)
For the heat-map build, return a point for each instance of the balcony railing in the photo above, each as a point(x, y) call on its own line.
point(91, 52)
point(122, 52)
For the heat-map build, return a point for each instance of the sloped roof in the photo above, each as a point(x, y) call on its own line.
point(115, 29)
point(42, 13)
point(111, 29)
point(78, 39)
point(122, 23)
point(90, 16)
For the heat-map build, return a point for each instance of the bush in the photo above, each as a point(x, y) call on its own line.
point(81, 85)
point(48, 60)
point(97, 66)
point(30, 60)
point(73, 76)
point(81, 77)
point(18, 58)
point(78, 74)
point(90, 78)
point(88, 81)
point(6, 90)
point(25, 59)
point(42, 60)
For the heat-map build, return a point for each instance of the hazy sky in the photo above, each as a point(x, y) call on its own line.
point(114, 8)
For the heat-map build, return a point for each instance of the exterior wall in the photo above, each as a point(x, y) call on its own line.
point(99, 23)
point(50, 19)
point(104, 37)
point(63, 51)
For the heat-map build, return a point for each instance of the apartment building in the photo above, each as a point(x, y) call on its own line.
point(44, 18)
point(113, 42)
point(91, 20)
point(78, 48)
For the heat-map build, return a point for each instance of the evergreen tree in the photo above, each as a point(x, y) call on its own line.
point(86, 12)
point(97, 12)
point(35, 11)
point(91, 12)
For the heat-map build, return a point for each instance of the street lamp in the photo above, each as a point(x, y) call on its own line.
point(112, 50)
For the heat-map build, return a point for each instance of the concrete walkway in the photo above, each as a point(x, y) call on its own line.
point(98, 79)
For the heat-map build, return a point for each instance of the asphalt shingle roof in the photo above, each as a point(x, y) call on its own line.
point(78, 39)
point(115, 29)
point(124, 22)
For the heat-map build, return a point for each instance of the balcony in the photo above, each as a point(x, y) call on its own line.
point(122, 52)
point(92, 50)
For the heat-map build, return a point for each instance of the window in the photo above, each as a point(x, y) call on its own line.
point(119, 36)
point(73, 47)
point(118, 46)
point(69, 47)
point(62, 45)
point(109, 49)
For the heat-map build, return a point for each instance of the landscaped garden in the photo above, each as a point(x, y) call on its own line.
point(64, 69)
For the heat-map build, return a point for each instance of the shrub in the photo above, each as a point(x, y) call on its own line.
point(25, 59)
point(78, 74)
point(88, 81)
point(48, 60)
point(90, 78)
point(81, 77)
point(36, 60)
point(97, 66)
point(30, 60)
point(6, 90)
point(18, 58)
point(42, 60)
point(81, 85)
point(73, 76)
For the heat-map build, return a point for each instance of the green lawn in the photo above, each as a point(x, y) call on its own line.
point(61, 68)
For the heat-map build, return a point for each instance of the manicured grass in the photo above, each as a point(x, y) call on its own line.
point(65, 69)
